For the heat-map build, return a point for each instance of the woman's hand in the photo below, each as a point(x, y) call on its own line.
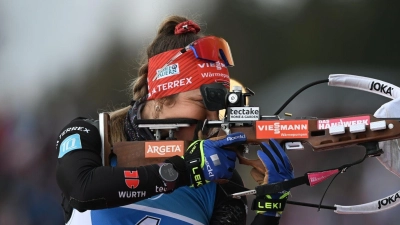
point(209, 160)
point(278, 169)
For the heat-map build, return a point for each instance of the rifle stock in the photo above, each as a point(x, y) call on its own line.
point(104, 129)
point(132, 153)
point(321, 140)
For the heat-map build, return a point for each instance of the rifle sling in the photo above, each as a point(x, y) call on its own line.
point(193, 161)
point(266, 189)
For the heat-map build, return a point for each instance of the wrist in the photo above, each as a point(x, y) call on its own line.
point(194, 161)
point(169, 175)
point(180, 166)
point(270, 205)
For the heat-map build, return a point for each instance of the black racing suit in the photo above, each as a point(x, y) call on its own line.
point(88, 185)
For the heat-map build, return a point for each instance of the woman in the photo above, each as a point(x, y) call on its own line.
point(167, 87)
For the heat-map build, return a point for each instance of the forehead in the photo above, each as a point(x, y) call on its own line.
point(194, 93)
point(190, 94)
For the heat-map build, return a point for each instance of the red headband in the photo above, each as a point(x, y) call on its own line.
point(183, 74)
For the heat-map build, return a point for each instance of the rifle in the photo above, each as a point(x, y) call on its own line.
point(320, 134)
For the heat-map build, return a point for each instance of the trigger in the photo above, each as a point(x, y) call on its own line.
point(296, 145)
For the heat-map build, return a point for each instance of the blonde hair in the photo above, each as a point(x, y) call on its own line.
point(165, 40)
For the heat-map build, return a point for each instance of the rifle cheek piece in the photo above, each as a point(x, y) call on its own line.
point(214, 96)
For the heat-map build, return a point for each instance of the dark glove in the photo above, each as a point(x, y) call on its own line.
point(207, 160)
point(278, 169)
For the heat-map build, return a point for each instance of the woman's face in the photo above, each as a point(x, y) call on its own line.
point(186, 105)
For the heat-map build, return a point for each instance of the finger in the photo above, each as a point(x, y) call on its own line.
point(269, 152)
point(276, 148)
point(281, 153)
point(214, 151)
point(275, 153)
point(268, 161)
point(230, 139)
point(257, 164)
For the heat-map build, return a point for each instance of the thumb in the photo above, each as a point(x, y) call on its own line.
point(257, 176)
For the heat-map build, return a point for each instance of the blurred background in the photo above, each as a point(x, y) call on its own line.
point(63, 59)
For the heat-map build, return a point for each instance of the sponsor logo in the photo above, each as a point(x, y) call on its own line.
point(70, 143)
point(215, 160)
point(161, 189)
point(131, 178)
point(157, 149)
point(172, 84)
point(317, 177)
point(269, 205)
point(197, 176)
point(217, 65)
point(168, 71)
point(132, 194)
point(210, 74)
point(192, 147)
point(389, 200)
point(244, 113)
point(383, 88)
point(235, 137)
point(209, 169)
point(281, 129)
point(83, 129)
point(345, 121)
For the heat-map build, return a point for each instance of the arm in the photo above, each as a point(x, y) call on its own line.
point(88, 185)
point(278, 168)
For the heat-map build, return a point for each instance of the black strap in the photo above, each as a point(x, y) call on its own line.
point(193, 164)
point(266, 189)
point(265, 204)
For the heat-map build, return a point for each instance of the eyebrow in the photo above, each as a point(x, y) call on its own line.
point(200, 100)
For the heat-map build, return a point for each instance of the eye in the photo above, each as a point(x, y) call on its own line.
point(201, 103)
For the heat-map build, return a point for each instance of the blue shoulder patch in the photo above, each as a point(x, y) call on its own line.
point(70, 143)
